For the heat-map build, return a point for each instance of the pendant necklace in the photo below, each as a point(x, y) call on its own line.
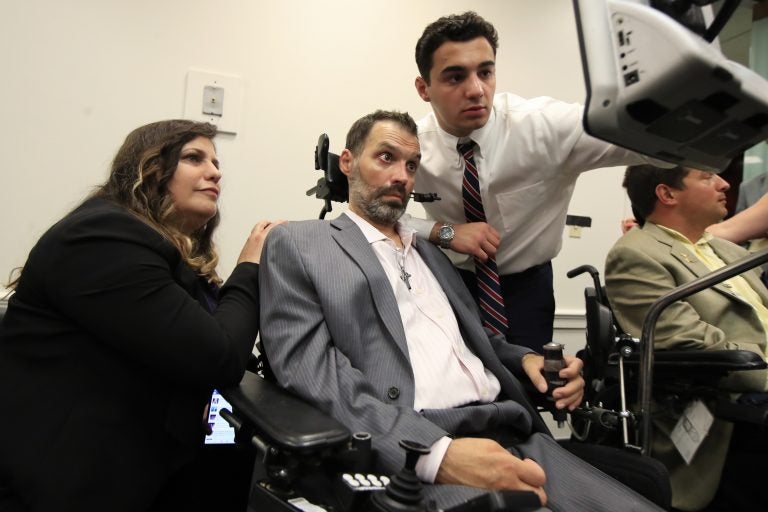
point(404, 275)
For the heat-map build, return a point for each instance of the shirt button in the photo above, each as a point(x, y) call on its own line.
point(393, 393)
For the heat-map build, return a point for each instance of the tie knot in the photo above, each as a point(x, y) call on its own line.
point(466, 147)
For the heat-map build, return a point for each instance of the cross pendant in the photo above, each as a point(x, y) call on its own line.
point(405, 277)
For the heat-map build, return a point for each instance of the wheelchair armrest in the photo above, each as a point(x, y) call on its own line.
point(731, 411)
point(492, 501)
point(714, 360)
point(726, 360)
point(281, 418)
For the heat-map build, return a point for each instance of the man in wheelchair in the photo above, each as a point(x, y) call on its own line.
point(670, 249)
point(376, 329)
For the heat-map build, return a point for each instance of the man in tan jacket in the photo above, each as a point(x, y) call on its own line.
point(670, 249)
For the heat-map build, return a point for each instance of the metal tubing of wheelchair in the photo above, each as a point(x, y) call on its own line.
point(623, 393)
point(649, 326)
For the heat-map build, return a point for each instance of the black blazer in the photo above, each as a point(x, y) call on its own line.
point(107, 358)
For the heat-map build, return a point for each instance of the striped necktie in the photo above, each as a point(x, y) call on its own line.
point(488, 285)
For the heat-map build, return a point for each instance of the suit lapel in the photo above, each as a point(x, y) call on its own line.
point(466, 313)
point(681, 253)
point(353, 243)
point(474, 334)
point(724, 250)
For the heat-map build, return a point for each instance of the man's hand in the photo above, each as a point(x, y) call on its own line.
point(478, 239)
point(627, 224)
point(569, 395)
point(486, 464)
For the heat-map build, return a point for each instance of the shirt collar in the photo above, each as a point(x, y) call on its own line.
point(481, 136)
point(704, 240)
point(372, 234)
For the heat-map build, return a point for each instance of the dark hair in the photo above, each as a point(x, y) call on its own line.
point(138, 181)
point(457, 27)
point(641, 182)
point(359, 131)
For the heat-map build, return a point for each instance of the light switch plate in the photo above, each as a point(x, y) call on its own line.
point(213, 100)
point(226, 90)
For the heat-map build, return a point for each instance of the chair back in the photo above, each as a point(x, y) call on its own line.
point(601, 332)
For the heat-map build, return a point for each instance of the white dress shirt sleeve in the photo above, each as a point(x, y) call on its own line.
point(423, 227)
point(427, 465)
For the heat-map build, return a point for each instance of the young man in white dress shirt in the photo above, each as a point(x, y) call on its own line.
point(528, 155)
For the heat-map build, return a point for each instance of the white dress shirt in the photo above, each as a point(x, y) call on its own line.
point(439, 357)
point(529, 155)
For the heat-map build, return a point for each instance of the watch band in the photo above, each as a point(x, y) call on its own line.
point(445, 235)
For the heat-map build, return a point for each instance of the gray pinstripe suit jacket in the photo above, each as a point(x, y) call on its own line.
point(332, 332)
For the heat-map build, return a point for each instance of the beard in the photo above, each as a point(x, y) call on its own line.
point(370, 200)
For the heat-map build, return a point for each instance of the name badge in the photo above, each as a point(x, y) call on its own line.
point(691, 429)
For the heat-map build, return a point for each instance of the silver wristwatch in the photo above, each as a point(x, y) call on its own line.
point(445, 235)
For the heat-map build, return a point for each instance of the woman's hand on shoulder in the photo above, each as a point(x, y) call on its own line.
point(251, 252)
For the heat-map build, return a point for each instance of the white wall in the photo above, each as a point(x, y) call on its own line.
point(78, 75)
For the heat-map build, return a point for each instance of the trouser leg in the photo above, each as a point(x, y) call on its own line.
point(575, 486)
point(529, 302)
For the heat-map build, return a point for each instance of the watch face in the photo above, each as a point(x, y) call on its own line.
point(446, 233)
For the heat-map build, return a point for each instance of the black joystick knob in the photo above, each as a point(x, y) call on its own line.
point(403, 493)
point(553, 363)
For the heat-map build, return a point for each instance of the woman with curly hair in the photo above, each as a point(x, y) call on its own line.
point(118, 330)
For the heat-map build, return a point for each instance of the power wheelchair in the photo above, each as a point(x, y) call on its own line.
point(308, 461)
point(636, 392)
point(299, 447)
point(303, 453)
point(617, 366)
